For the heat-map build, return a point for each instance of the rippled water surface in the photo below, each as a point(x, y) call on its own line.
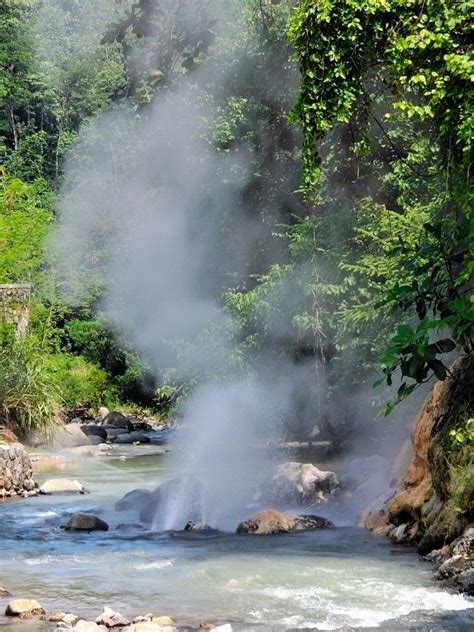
point(326, 580)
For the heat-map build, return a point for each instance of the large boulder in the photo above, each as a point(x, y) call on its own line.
point(147, 503)
point(23, 608)
point(85, 522)
point(70, 436)
point(62, 486)
point(118, 420)
point(297, 484)
point(267, 522)
point(94, 430)
point(136, 499)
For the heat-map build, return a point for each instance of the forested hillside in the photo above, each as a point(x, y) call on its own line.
point(350, 125)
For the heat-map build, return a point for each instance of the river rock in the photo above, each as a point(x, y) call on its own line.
point(198, 526)
point(85, 522)
point(132, 437)
point(300, 484)
point(62, 486)
point(136, 499)
point(68, 618)
point(454, 565)
point(113, 432)
point(103, 412)
point(70, 436)
point(118, 420)
point(222, 628)
point(110, 618)
point(94, 430)
point(128, 526)
point(87, 626)
point(149, 626)
point(95, 440)
point(309, 521)
point(162, 620)
point(187, 486)
point(4, 592)
point(266, 522)
point(23, 608)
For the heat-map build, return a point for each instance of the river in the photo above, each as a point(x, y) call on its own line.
point(338, 579)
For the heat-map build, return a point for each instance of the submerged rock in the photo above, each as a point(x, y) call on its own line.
point(128, 526)
point(300, 484)
point(23, 608)
point(85, 522)
point(62, 486)
point(4, 592)
point(132, 437)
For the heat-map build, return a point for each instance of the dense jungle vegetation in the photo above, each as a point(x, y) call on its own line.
point(356, 118)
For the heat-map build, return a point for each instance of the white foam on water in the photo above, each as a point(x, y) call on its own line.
point(158, 564)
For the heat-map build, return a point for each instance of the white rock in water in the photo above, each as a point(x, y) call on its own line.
point(23, 607)
point(62, 486)
point(222, 628)
point(88, 626)
point(110, 618)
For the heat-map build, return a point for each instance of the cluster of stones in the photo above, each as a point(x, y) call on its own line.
point(454, 563)
point(108, 427)
point(16, 472)
point(108, 621)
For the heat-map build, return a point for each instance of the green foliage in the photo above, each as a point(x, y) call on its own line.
point(29, 396)
point(25, 219)
point(463, 435)
point(79, 380)
point(394, 78)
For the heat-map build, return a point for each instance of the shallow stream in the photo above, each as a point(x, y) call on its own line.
point(337, 579)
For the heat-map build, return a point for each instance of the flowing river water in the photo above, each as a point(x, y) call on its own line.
point(337, 579)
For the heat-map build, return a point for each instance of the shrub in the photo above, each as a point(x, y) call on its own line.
point(29, 394)
point(79, 380)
